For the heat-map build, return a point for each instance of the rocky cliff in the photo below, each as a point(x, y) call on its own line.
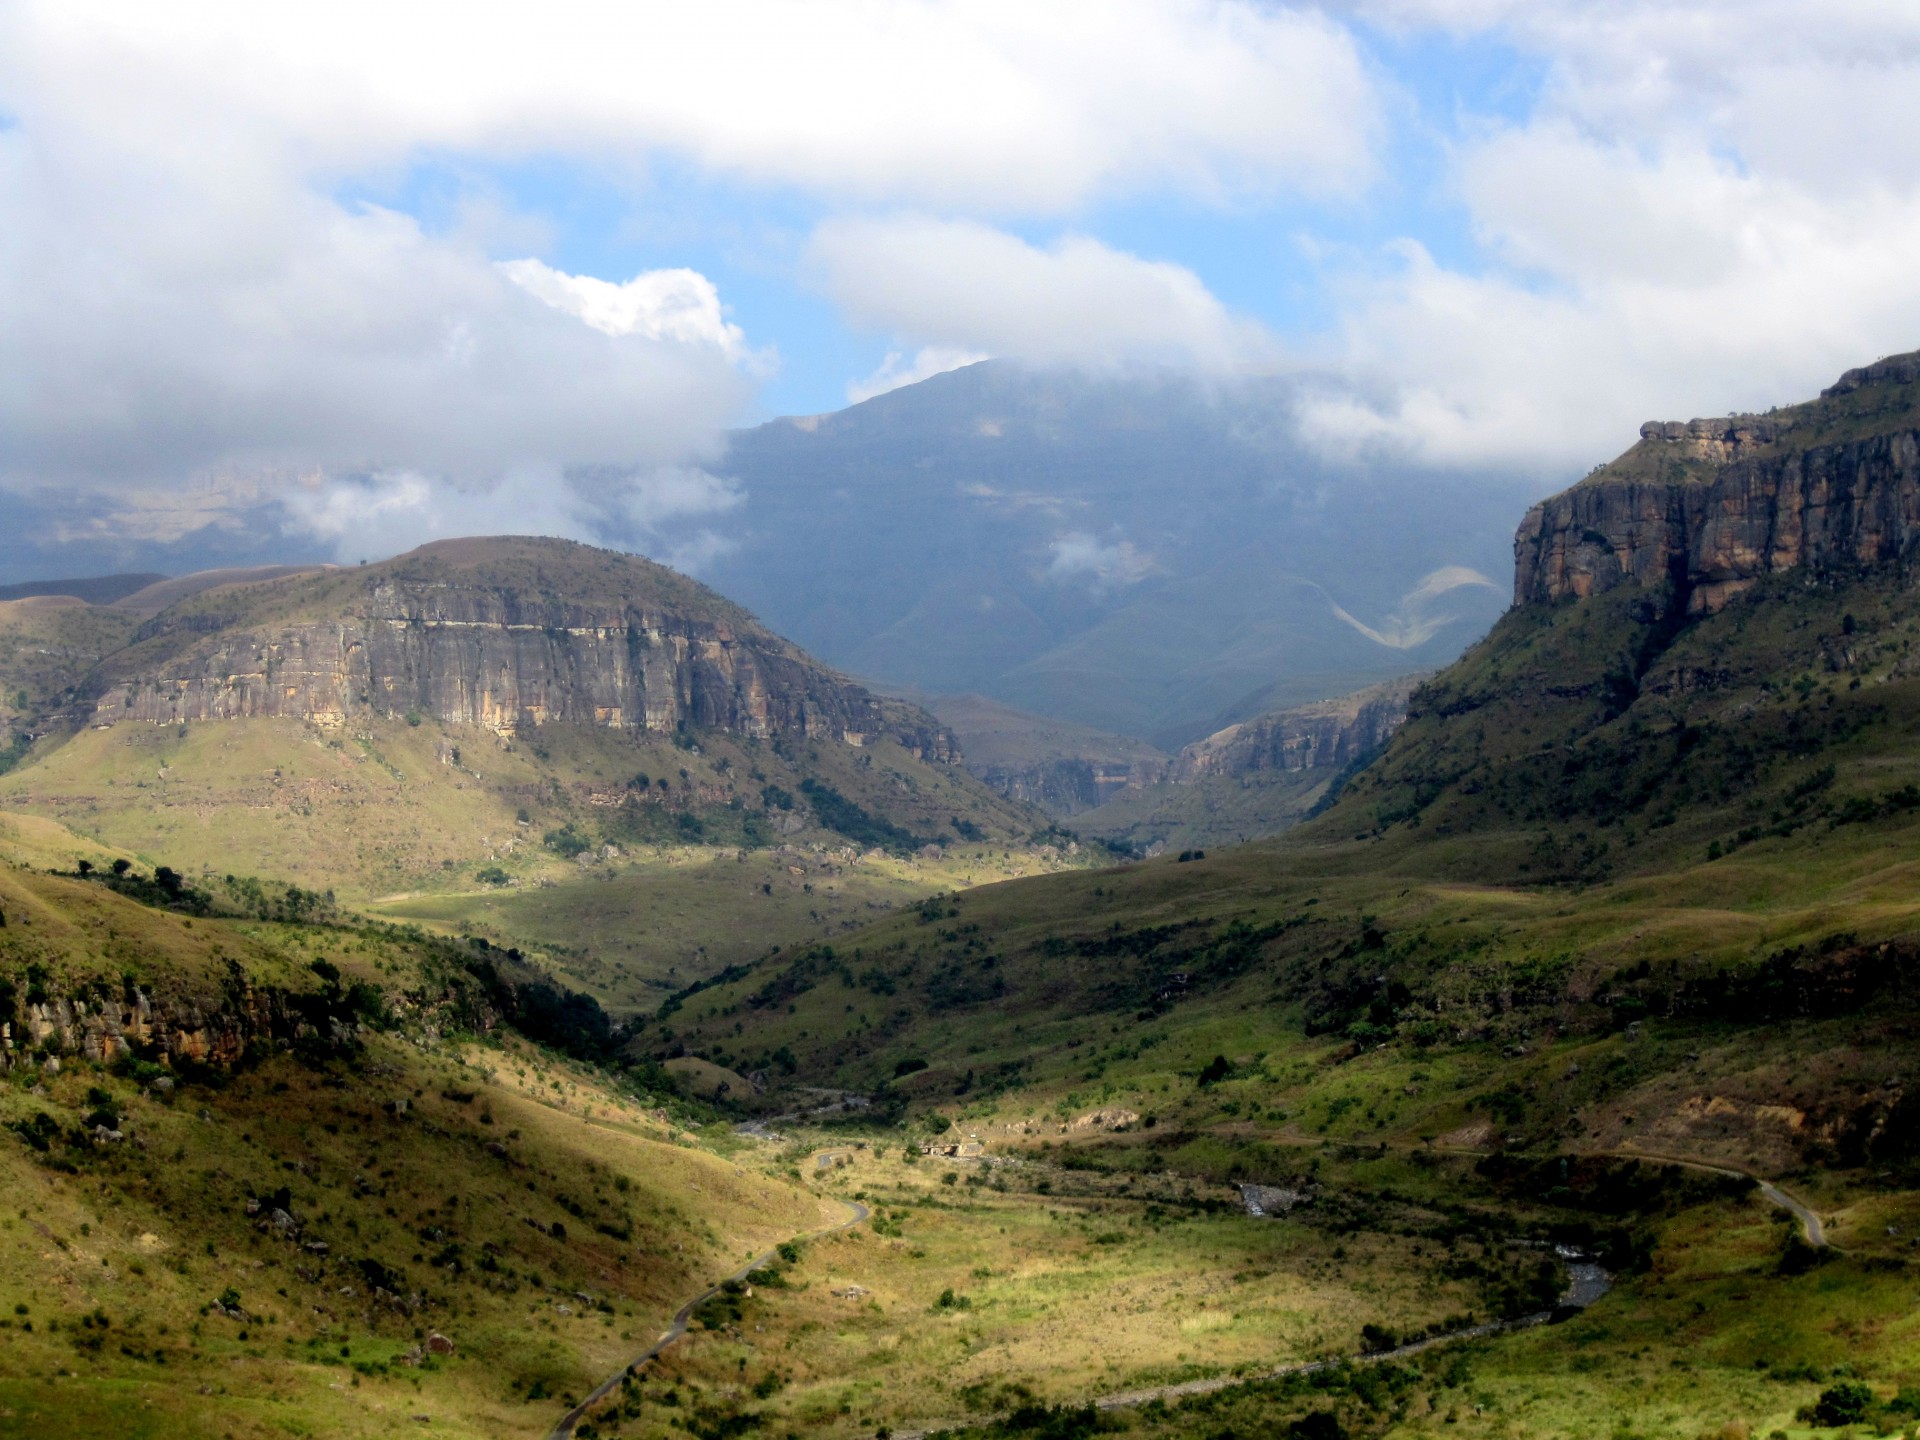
point(1707, 507)
point(210, 1029)
point(1322, 736)
point(509, 634)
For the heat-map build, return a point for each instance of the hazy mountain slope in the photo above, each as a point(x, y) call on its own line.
point(94, 589)
point(48, 645)
point(1138, 554)
point(1253, 779)
point(1060, 767)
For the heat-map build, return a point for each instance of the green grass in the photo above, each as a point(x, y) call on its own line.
point(481, 1184)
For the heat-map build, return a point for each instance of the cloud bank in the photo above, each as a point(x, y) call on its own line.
point(1077, 302)
point(1709, 206)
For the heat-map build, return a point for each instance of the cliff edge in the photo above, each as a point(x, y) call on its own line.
point(1704, 508)
point(508, 633)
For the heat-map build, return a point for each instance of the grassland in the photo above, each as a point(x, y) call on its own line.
point(633, 929)
point(555, 844)
point(474, 1190)
point(1005, 1298)
point(1620, 889)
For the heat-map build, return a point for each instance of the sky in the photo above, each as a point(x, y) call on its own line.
point(403, 269)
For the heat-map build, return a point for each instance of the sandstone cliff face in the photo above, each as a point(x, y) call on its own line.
point(1322, 736)
point(211, 1030)
point(478, 633)
point(1710, 506)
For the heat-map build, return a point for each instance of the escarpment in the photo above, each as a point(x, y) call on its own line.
point(509, 634)
point(1324, 735)
point(1708, 507)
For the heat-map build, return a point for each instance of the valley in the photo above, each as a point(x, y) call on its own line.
point(510, 942)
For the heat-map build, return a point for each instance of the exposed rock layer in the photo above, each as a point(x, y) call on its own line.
point(1322, 736)
point(1710, 506)
point(506, 634)
point(1069, 785)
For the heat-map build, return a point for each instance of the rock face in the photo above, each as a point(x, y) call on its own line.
point(207, 1029)
point(1322, 736)
point(1069, 785)
point(1708, 507)
point(509, 634)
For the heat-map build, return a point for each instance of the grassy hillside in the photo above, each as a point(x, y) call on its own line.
point(1575, 831)
point(1596, 739)
point(47, 645)
point(551, 842)
point(542, 1214)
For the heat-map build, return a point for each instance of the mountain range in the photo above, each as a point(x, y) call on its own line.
point(1138, 552)
point(1552, 1076)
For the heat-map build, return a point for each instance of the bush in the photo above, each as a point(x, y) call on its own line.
point(1843, 1404)
point(566, 842)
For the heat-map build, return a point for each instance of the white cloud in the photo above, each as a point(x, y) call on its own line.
point(1106, 564)
point(679, 305)
point(1422, 612)
point(184, 292)
point(901, 369)
point(661, 510)
point(962, 284)
point(998, 104)
point(1711, 206)
point(180, 296)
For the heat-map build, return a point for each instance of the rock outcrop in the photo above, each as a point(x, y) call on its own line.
point(1324, 735)
point(212, 1030)
point(1705, 508)
point(1069, 785)
point(509, 634)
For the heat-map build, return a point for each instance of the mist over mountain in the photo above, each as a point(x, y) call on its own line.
point(1147, 554)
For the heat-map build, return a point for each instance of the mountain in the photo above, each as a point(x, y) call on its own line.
point(504, 634)
point(1556, 1079)
point(1144, 555)
point(1247, 780)
point(1139, 552)
point(531, 739)
point(95, 590)
point(1708, 642)
point(1325, 735)
point(1676, 786)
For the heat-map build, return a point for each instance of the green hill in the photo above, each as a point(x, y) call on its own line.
point(531, 738)
point(267, 1177)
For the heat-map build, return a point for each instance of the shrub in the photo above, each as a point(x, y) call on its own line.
point(1843, 1404)
point(566, 842)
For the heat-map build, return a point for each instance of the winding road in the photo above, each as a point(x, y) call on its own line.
point(1810, 1226)
point(564, 1429)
